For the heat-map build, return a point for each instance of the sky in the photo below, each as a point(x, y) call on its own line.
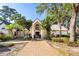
point(26, 9)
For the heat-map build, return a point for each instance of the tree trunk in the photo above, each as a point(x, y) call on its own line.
point(73, 24)
point(48, 32)
point(59, 30)
point(59, 23)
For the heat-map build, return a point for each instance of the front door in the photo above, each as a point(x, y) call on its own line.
point(37, 35)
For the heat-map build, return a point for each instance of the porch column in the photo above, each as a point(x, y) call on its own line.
point(32, 35)
point(41, 34)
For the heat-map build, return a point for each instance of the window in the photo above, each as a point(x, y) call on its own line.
point(37, 27)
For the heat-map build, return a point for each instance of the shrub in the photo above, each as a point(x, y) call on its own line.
point(62, 36)
point(63, 39)
point(57, 40)
point(8, 37)
point(73, 44)
point(2, 36)
point(5, 37)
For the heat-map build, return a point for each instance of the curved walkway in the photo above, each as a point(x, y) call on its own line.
point(38, 48)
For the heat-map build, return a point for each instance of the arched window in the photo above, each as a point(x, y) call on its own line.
point(37, 27)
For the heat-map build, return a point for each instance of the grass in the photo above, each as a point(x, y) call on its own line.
point(65, 48)
point(64, 39)
point(77, 41)
point(6, 45)
point(61, 47)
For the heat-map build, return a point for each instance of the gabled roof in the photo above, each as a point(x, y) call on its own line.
point(36, 20)
point(56, 27)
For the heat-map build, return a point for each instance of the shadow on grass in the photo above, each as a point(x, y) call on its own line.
point(5, 49)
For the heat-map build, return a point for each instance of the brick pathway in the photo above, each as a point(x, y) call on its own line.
point(38, 48)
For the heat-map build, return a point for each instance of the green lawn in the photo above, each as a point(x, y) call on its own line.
point(65, 39)
point(6, 45)
point(65, 48)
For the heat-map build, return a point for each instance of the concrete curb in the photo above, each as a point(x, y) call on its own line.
point(13, 42)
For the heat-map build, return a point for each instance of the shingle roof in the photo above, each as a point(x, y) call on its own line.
point(56, 27)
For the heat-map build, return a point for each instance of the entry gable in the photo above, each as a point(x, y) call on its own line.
point(36, 21)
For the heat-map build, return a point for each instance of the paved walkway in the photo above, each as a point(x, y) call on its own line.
point(38, 48)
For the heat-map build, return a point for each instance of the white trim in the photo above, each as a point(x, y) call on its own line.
point(36, 21)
